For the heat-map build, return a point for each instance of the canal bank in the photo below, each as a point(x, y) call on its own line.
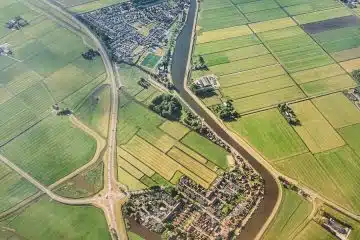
point(180, 74)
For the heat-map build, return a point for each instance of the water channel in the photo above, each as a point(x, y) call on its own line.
point(179, 72)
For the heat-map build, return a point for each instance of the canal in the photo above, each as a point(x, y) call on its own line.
point(179, 73)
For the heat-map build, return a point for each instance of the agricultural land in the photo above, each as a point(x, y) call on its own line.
point(299, 53)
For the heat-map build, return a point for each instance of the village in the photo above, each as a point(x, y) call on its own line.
point(189, 211)
point(130, 30)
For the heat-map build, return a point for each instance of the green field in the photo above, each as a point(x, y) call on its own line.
point(314, 231)
point(51, 149)
point(290, 218)
point(269, 133)
point(150, 60)
point(322, 15)
point(350, 135)
point(74, 222)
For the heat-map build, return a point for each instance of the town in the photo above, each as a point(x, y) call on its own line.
point(188, 211)
point(131, 30)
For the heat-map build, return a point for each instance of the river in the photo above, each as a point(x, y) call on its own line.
point(178, 73)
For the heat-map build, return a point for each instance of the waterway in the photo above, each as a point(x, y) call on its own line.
point(178, 73)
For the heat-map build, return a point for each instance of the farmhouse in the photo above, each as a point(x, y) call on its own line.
point(17, 23)
point(207, 83)
point(5, 50)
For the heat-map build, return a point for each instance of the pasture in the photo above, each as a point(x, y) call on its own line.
point(351, 134)
point(322, 15)
point(314, 231)
point(290, 218)
point(338, 110)
point(272, 25)
point(315, 130)
point(309, 6)
point(51, 149)
point(174, 129)
point(317, 73)
point(75, 222)
point(124, 177)
point(270, 134)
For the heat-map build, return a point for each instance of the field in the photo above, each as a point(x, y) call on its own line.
point(51, 149)
point(315, 131)
point(269, 132)
point(95, 110)
point(290, 218)
point(350, 135)
point(150, 60)
point(314, 231)
point(322, 15)
point(79, 222)
point(88, 6)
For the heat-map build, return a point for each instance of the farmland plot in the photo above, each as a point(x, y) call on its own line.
point(351, 136)
point(322, 15)
point(317, 73)
point(221, 34)
point(314, 231)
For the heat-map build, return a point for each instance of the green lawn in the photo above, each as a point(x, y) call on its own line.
point(290, 217)
point(61, 221)
point(269, 133)
point(150, 60)
point(209, 150)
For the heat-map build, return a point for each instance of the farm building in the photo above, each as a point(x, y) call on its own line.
point(205, 83)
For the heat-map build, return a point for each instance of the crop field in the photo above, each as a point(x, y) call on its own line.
point(351, 65)
point(350, 134)
point(75, 222)
point(327, 85)
point(315, 130)
point(317, 73)
point(88, 5)
point(338, 110)
point(14, 188)
point(309, 6)
point(157, 138)
point(174, 129)
point(346, 54)
point(268, 99)
point(290, 217)
point(51, 149)
point(322, 15)
point(272, 25)
point(270, 134)
point(221, 34)
point(129, 180)
point(266, 15)
point(125, 156)
point(314, 231)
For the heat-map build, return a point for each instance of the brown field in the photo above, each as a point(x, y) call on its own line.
point(351, 65)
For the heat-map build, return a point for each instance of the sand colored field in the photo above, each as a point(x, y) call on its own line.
point(317, 73)
point(346, 54)
point(327, 85)
point(190, 163)
point(251, 75)
point(122, 163)
point(221, 34)
point(268, 99)
point(157, 138)
point(338, 110)
point(129, 180)
point(272, 25)
point(158, 161)
point(315, 130)
point(191, 153)
point(351, 65)
point(261, 86)
point(174, 129)
point(135, 162)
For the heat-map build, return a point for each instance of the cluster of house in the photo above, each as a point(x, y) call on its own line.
point(190, 211)
point(5, 50)
point(288, 114)
point(17, 23)
point(335, 226)
point(354, 96)
point(131, 31)
point(351, 3)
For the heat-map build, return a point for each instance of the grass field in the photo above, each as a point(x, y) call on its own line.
point(351, 65)
point(124, 177)
point(272, 25)
point(221, 34)
point(310, 6)
point(338, 110)
point(317, 73)
point(322, 15)
point(95, 110)
point(174, 129)
point(74, 222)
point(51, 149)
point(314, 231)
point(209, 150)
point(315, 131)
point(270, 134)
point(290, 217)
point(92, 5)
point(135, 162)
point(85, 184)
point(150, 60)
point(157, 138)
point(350, 135)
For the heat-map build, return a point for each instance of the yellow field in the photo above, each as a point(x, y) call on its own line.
point(338, 110)
point(223, 33)
point(252, 88)
point(272, 25)
point(129, 168)
point(346, 54)
point(328, 85)
point(351, 65)
point(190, 163)
point(268, 99)
point(135, 162)
point(281, 33)
point(191, 153)
point(158, 138)
point(316, 132)
point(128, 180)
point(174, 129)
point(158, 161)
point(251, 75)
point(317, 73)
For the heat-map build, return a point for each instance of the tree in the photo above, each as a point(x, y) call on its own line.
point(167, 106)
point(356, 75)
